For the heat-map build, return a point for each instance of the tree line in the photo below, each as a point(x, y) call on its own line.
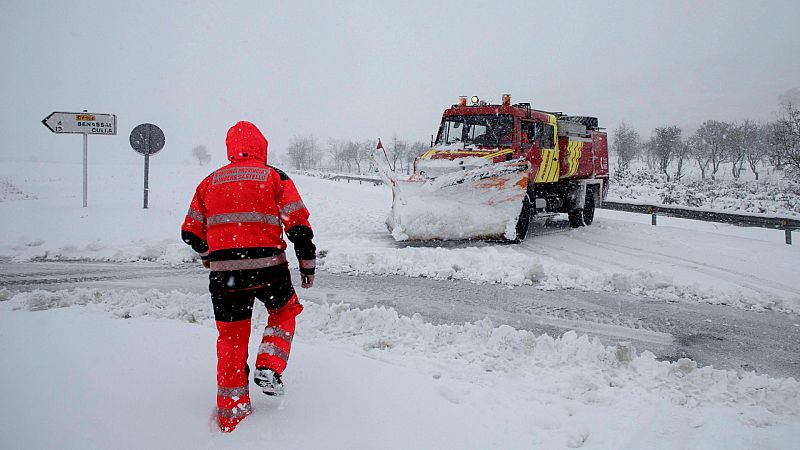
point(744, 145)
point(352, 156)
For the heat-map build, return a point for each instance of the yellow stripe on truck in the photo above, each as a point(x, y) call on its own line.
point(481, 154)
point(552, 175)
point(545, 172)
point(499, 153)
point(548, 170)
point(542, 169)
point(574, 148)
point(427, 154)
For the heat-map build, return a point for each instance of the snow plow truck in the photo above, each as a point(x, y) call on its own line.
point(492, 169)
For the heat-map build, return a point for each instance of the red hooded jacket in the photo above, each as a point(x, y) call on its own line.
point(238, 213)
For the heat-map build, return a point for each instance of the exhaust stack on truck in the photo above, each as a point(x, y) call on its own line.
point(494, 168)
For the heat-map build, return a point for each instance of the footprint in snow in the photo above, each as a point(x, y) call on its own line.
point(450, 395)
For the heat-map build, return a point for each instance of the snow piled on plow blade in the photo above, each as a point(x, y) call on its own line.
point(481, 203)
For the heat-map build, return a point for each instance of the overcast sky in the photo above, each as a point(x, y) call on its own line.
point(375, 68)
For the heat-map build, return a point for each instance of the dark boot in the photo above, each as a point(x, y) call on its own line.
point(269, 381)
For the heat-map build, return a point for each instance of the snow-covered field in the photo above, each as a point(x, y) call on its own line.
point(774, 196)
point(84, 377)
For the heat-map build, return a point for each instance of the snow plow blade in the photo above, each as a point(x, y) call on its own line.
point(479, 203)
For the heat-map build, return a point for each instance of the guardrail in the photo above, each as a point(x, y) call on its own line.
point(742, 220)
point(375, 181)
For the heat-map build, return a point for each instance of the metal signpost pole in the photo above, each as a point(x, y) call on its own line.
point(147, 139)
point(146, 177)
point(85, 169)
point(146, 163)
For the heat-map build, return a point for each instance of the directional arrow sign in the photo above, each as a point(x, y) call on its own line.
point(83, 122)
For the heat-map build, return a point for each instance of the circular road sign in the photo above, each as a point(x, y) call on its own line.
point(147, 139)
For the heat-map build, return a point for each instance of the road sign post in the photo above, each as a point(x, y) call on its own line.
point(147, 139)
point(85, 170)
point(84, 123)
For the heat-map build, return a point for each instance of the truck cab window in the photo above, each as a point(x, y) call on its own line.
point(548, 136)
point(476, 130)
point(530, 132)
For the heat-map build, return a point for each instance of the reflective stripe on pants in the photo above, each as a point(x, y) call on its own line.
point(276, 343)
point(233, 405)
point(233, 399)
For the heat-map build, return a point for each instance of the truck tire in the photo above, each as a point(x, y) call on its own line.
point(585, 216)
point(588, 207)
point(523, 221)
point(575, 218)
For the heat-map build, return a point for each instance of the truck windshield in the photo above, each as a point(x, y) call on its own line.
point(480, 130)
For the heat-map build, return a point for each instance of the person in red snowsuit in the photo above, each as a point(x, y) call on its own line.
point(236, 222)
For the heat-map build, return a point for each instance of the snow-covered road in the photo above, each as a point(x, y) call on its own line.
point(712, 335)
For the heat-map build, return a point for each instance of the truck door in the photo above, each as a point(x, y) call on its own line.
point(548, 169)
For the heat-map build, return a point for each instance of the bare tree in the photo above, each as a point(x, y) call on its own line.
point(649, 154)
point(201, 154)
point(357, 153)
point(396, 151)
point(627, 145)
point(682, 151)
point(665, 144)
point(735, 148)
point(365, 149)
point(741, 137)
point(757, 152)
point(698, 149)
point(337, 154)
point(785, 137)
point(713, 135)
point(412, 152)
point(354, 156)
point(303, 152)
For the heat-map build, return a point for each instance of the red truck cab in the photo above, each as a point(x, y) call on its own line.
point(557, 146)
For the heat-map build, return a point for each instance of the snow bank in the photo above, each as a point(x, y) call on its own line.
point(543, 264)
point(476, 347)
point(520, 390)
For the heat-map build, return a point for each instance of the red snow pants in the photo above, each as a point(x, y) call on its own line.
point(233, 311)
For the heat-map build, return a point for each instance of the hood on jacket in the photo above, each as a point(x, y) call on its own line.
point(244, 140)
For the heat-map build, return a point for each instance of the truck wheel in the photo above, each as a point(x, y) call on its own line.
point(575, 218)
point(588, 207)
point(523, 221)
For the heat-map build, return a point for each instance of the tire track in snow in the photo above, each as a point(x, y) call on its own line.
point(714, 271)
point(68, 277)
point(716, 267)
point(574, 257)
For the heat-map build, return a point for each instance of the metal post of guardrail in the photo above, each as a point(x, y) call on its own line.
point(788, 231)
point(652, 212)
